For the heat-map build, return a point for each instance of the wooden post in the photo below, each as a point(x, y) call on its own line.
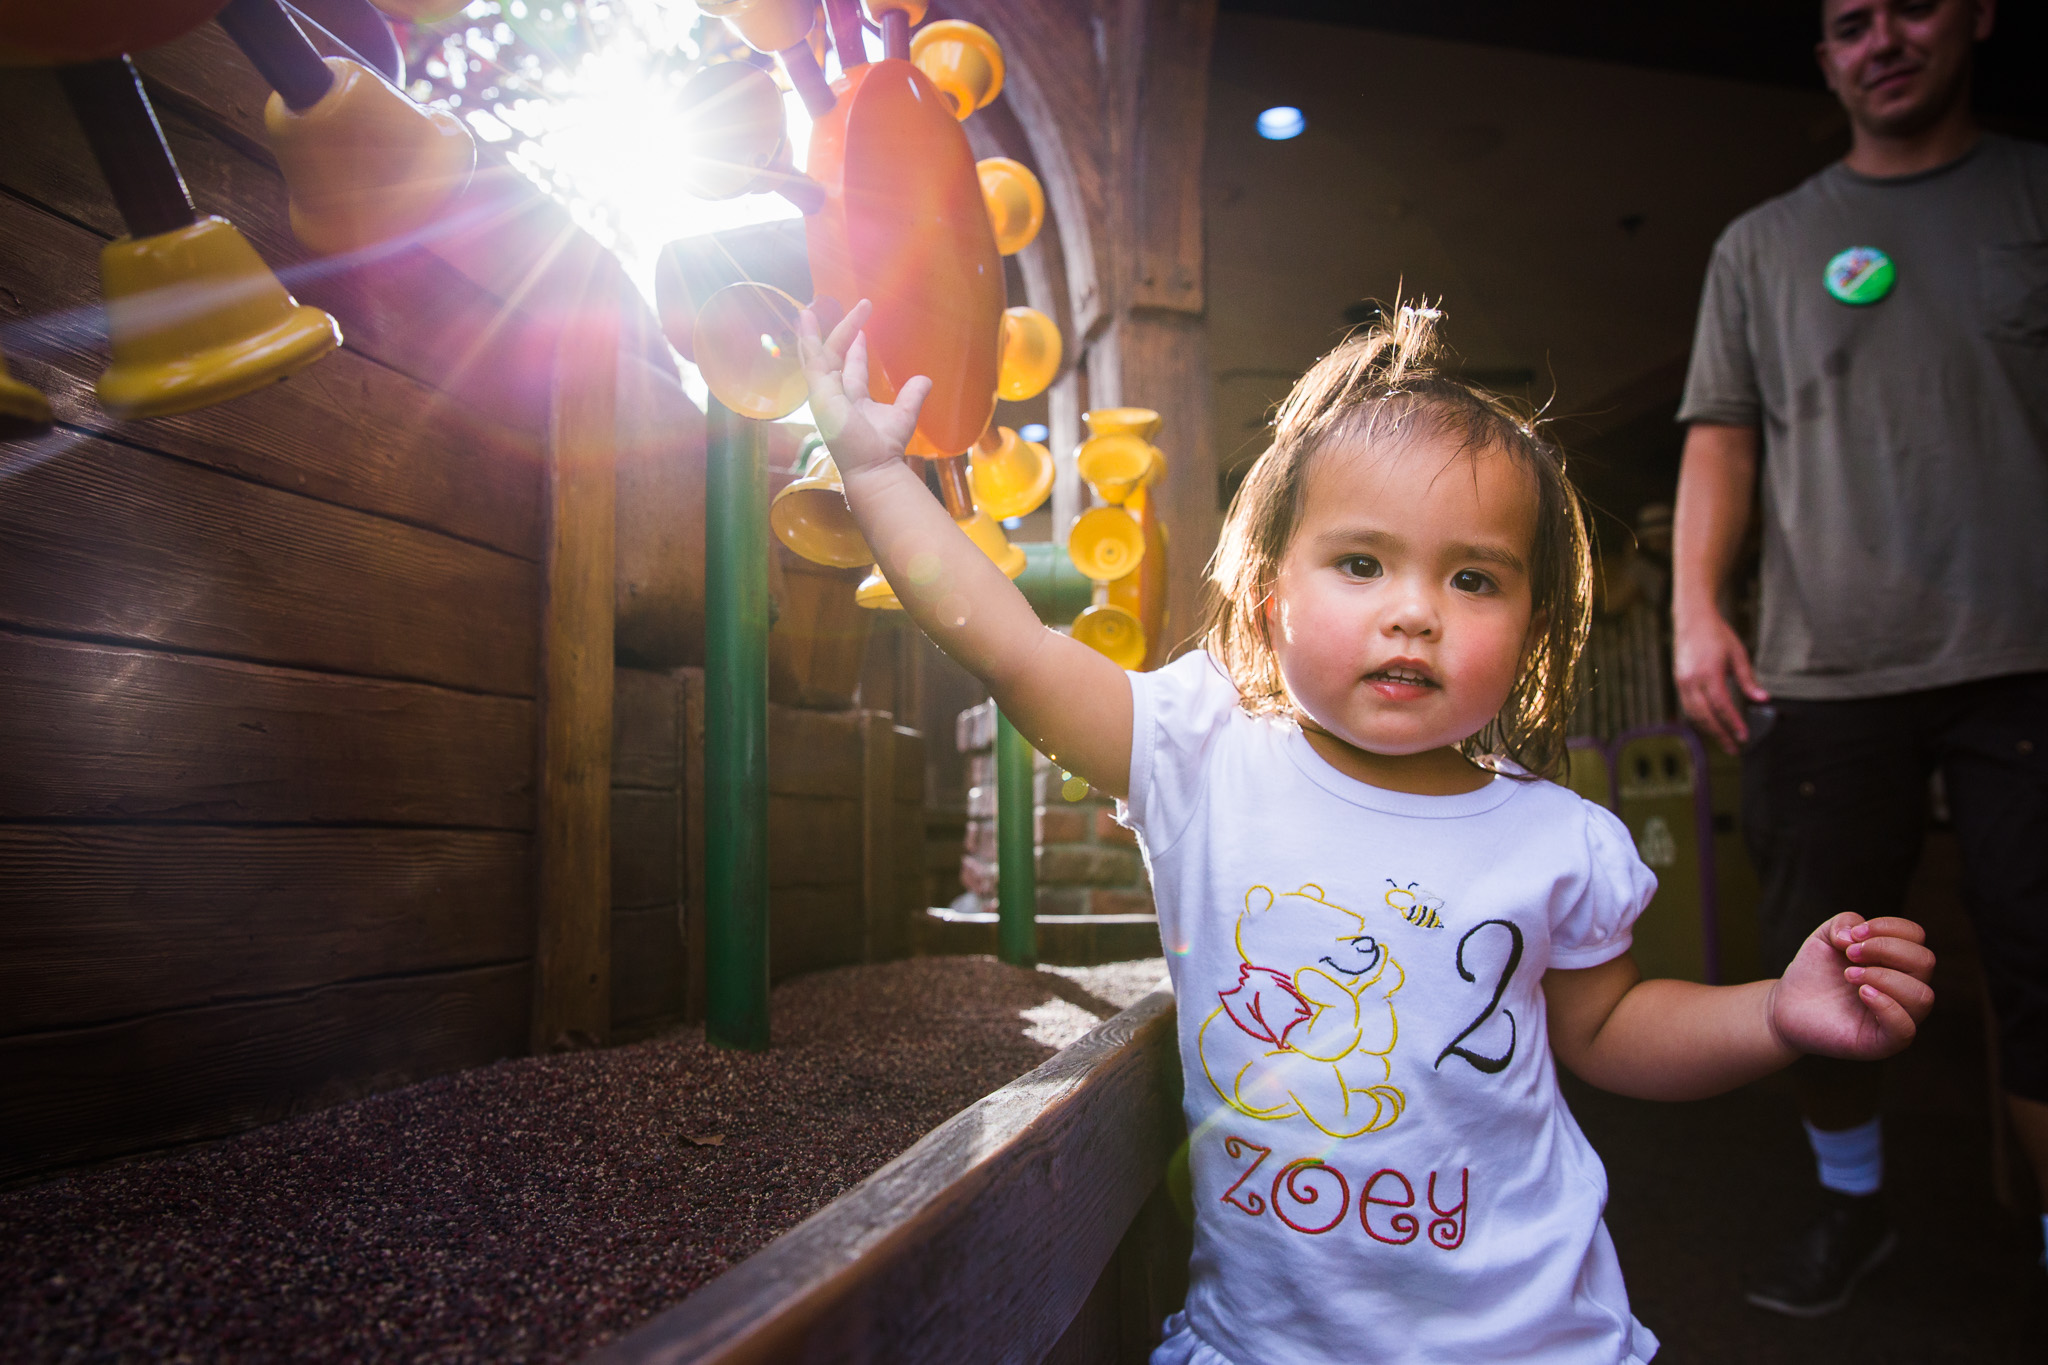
point(880, 893)
point(572, 959)
point(1016, 848)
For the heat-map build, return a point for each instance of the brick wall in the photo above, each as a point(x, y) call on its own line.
point(1088, 864)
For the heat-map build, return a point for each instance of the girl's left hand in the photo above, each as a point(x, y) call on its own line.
point(1858, 989)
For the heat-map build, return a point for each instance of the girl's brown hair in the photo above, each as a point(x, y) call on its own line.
point(1367, 389)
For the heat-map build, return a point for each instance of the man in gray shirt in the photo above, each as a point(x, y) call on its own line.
point(1875, 346)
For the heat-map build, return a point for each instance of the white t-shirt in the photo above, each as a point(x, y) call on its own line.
point(1384, 1168)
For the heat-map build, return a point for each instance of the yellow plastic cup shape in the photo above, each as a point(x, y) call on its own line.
point(745, 342)
point(737, 130)
point(1029, 358)
point(1106, 543)
point(1114, 466)
point(963, 60)
point(22, 402)
point(1142, 423)
point(1011, 480)
point(874, 590)
point(1112, 632)
point(810, 517)
point(1015, 202)
point(195, 317)
point(764, 25)
point(365, 164)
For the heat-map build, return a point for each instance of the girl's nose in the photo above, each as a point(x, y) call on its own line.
point(1413, 615)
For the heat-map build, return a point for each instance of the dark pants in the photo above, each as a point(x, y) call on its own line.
point(1834, 809)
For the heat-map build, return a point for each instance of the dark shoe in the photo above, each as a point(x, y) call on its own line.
point(1818, 1271)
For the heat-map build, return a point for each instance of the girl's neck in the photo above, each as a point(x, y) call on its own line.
point(1433, 772)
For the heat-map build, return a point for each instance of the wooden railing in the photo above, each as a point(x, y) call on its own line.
point(1028, 1227)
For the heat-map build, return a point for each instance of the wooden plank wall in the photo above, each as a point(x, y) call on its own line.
point(268, 719)
point(845, 830)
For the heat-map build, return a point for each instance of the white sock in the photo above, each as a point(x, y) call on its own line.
point(1851, 1160)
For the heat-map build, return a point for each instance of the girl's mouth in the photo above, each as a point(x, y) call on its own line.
point(1403, 676)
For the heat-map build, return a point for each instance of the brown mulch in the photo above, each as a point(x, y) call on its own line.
point(530, 1210)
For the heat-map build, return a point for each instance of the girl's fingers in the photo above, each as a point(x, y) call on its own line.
point(910, 398)
point(1909, 993)
point(1912, 958)
point(1891, 926)
point(853, 378)
point(1889, 1015)
point(840, 343)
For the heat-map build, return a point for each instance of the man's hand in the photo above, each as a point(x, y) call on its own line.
point(1858, 989)
point(1706, 652)
point(860, 432)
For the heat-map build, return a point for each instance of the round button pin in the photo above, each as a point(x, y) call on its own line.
point(1860, 275)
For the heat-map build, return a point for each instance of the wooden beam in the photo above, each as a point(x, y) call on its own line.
point(983, 1240)
point(572, 960)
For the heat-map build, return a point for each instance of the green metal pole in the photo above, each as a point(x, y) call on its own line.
point(1016, 839)
point(735, 732)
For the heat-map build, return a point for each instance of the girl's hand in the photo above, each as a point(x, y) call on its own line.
point(1858, 989)
point(860, 432)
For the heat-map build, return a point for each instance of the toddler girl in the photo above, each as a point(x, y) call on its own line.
point(1380, 923)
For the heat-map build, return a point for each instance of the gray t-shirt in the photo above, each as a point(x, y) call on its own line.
point(1905, 441)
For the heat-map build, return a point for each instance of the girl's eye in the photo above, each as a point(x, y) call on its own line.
point(1359, 566)
point(1471, 580)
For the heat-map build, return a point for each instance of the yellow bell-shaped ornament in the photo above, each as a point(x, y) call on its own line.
point(1142, 423)
point(1029, 356)
point(1112, 632)
point(21, 402)
point(734, 114)
point(988, 537)
point(1012, 479)
point(963, 60)
point(1106, 543)
point(364, 164)
point(764, 25)
point(745, 341)
point(810, 517)
point(1015, 202)
point(1114, 465)
point(195, 317)
point(875, 594)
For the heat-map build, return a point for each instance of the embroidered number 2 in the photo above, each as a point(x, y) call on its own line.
point(1491, 1066)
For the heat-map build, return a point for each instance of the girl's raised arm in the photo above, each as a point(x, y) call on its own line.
point(1073, 704)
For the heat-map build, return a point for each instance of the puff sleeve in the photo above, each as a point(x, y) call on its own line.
point(1598, 924)
point(1177, 713)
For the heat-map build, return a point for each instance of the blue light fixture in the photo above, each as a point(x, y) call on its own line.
point(1033, 431)
point(1282, 122)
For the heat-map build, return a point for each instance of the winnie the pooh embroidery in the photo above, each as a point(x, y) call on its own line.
point(1309, 1038)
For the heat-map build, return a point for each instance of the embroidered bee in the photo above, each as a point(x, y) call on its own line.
point(1415, 904)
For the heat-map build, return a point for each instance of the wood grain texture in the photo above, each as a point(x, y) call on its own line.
point(102, 540)
point(110, 922)
point(660, 586)
point(813, 928)
point(87, 1094)
point(93, 732)
point(348, 430)
point(646, 729)
point(815, 841)
point(1169, 114)
point(813, 753)
point(572, 836)
point(649, 973)
point(982, 1242)
point(884, 932)
point(646, 852)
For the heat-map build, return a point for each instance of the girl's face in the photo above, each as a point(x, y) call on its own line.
point(1401, 610)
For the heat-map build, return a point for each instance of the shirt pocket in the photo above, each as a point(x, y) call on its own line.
point(2012, 291)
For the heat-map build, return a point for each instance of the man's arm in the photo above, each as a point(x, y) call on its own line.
point(1716, 479)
